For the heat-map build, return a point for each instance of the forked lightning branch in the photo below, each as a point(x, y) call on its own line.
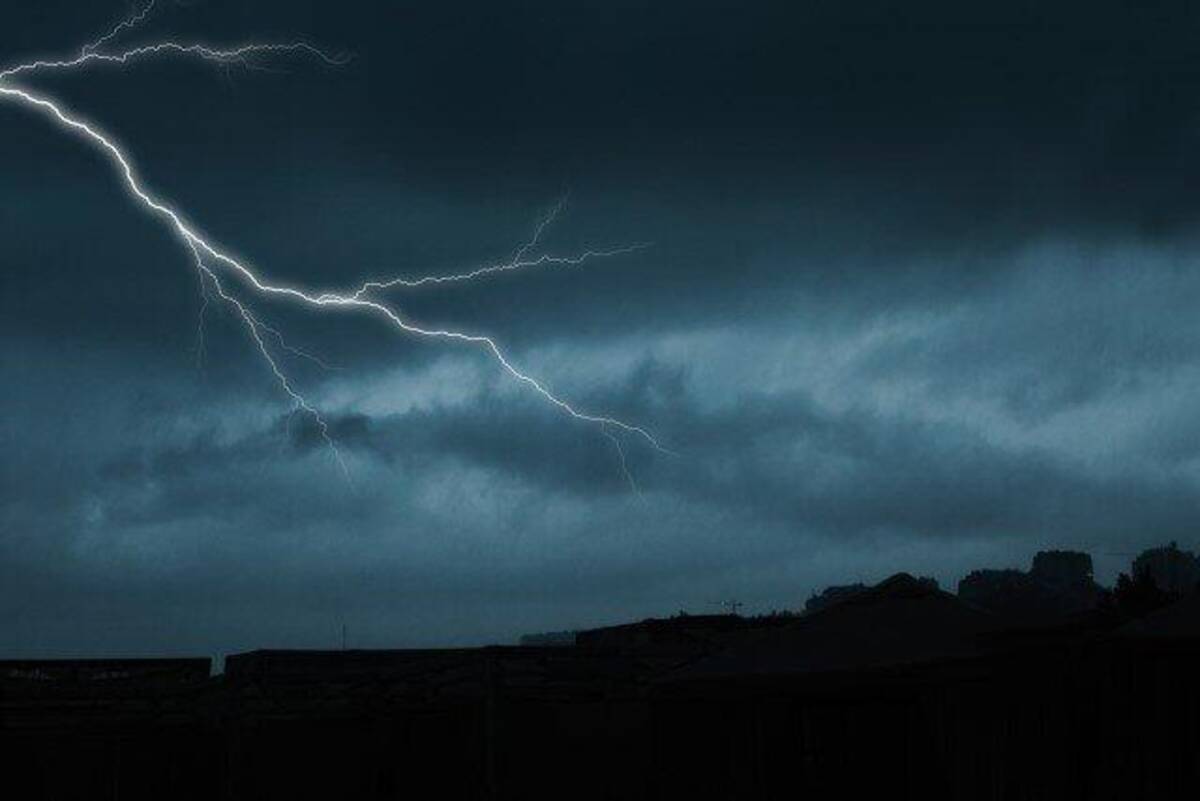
point(238, 283)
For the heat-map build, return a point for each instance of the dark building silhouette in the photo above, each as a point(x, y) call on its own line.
point(902, 620)
point(549, 638)
point(1009, 593)
point(1173, 570)
point(683, 633)
point(1139, 595)
point(1178, 622)
point(832, 595)
point(900, 690)
point(1058, 585)
point(1062, 568)
point(903, 692)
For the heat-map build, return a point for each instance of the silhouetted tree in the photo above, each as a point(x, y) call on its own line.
point(1141, 594)
point(1174, 569)
point(776, 615)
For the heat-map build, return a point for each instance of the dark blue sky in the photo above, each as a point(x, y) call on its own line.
point(921, 296)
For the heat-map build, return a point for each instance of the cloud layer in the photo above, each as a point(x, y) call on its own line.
point(920, 297)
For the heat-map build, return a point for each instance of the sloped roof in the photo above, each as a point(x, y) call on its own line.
point(1180, 620)
point(695, 634)
point(900, 621)
point(329, 680)
point(59, 672)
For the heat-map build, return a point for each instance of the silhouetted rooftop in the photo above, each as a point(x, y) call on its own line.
point(901, 621)
point(1180, 620)
point(689, 632)
point(58, 672)
point(432, 675)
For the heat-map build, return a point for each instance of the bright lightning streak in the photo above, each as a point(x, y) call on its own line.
point(206, 254)
point(236, 55)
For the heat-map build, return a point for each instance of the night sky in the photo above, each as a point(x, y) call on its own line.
point(921, 296)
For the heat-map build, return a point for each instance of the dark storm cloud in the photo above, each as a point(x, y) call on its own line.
point(809, 144)
point(1072, 324)
point(780, 457)
point(920, 295)
point(992, 114)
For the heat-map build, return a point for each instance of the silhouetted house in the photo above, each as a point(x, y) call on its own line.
point(907, 692)
point(1062, 568)
point(1174, 570)
point(833, 705)
point(1147, 696)
point(832, 595)
point(1179, 622)
point(694, 634)
point(548, 639)
point(94, 674)
point(901, 621)
point(1011, 594)
point(1058, 585)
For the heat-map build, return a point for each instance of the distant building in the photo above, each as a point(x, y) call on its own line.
point(1058, 584)
point(832, 595)
point(902, 621)
point(548, 639)
point(1172, 569)
point(1062, 568)
point(102, 672)
point(683, 633)
point(1009, 593)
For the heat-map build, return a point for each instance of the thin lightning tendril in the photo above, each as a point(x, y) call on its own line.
point(256, 328)
point(208, 256)
point(129, 23)
point(517, 262)
point(624, 464)
point(297, 352)
point(541, 227)
point(508, 266)
point(200, 349)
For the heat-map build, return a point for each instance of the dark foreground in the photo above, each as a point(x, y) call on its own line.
point(903, 691)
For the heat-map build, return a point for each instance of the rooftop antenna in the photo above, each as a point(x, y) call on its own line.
point(731, 606)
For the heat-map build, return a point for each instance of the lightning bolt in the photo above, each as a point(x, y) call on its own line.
point(214, 264)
